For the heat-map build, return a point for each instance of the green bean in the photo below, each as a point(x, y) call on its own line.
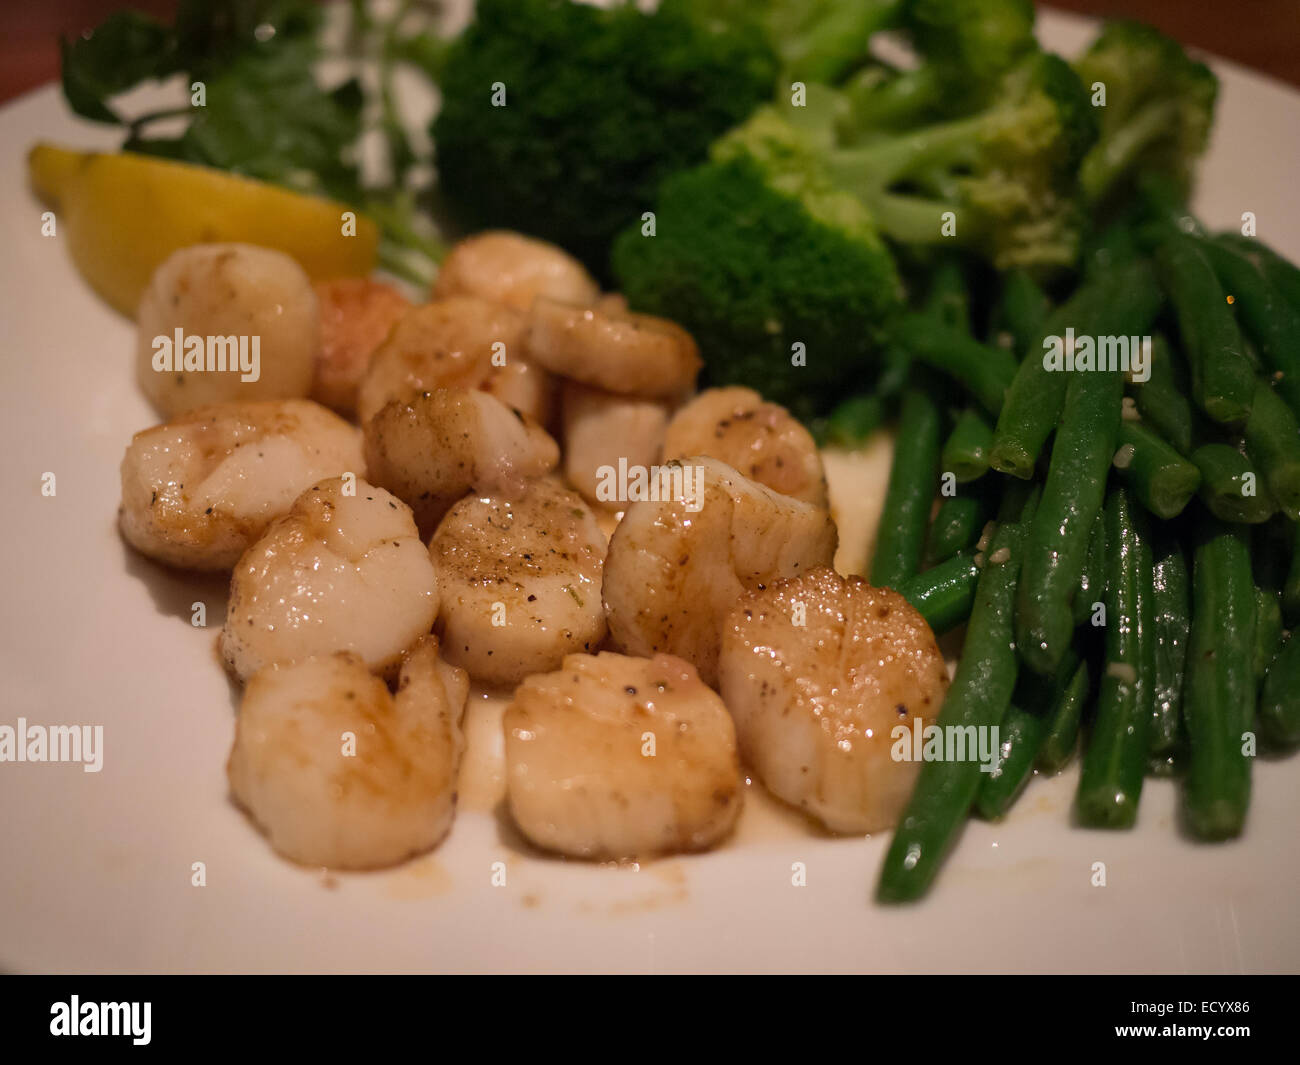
point(944, 593)
point(1022, 310)
point(1272, 322)
point(1034, 707)
point(984, 371)
point(978, 698)
point(1114, 761)
point(1220, 700)
point(1231, 486)
point(1172, 596)
point(1268, 632)
point(1063, 728)
point(956, 526)
point(966, 452)
point(1115, 244)
point(1072, 499)
point(1091, 587)
point(1281, 273)
point(911, 489)
point(1117, 303)
point(1019, 737)
point(1223, 380)
point(1279, 702)
point(1273, 443)
point(1162, 399)
point(1163, 481)
point(895, 371)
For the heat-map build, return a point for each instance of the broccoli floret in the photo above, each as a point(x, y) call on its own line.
point(965, 47)
point(755, 253)
point(1158, 112)
point(1007, 173)
point(599, 106)
point(817, 40)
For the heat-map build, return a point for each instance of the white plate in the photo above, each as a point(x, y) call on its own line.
point(95, 868)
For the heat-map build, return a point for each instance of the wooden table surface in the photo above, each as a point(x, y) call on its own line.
point(1263, 34)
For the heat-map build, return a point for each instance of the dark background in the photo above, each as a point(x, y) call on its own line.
point(1263, 34)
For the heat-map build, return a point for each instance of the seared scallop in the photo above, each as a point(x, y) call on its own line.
point(344, 570)
point(762, 440)
point(356, 315)
point(600, 430)
point(339, 772)
point(443, 444)
point(513, 269)
point(450, 343)
point(519, 581)
point(678, 562)
point(818, 673)
point(199, 489)
point(522, 384)
point(614, 757)
point(617, 351)
point(247, 322)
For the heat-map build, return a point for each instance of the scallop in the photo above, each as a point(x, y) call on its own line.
point(519, 581)
point(762, 440)
point(338, 771)
point(434, 450)
point(617, 351)
point(357, 314)
point(509, 268)
point(344, 570)
point(824, 676)
point(450, 343)
point(224, 322)
point(600, 430)
point(198, 490)
point(678, 562)
point(612, 757)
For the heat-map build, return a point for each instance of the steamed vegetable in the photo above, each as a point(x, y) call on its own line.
point(594, 109)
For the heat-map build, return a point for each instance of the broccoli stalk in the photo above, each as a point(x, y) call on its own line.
point(1158, 111)
point(965, 46)
point(816, 40)
point(1006, 173)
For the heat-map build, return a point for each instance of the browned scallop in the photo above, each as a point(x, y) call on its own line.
point(613, 757)
point(252, 311)
point(340, 773)
point(450, 343)
point(601, 429)
point(678, 562)
point(513, 269)
point(621, 352)
point(519, 581)
point(344, 570)
point(522, 384)
point(356, 315)
point(760, 439)
point(818, 672)
point(199, 489)
point(432, 451)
